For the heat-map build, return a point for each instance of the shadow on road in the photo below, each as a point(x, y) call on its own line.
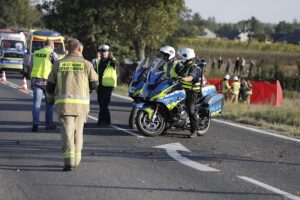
point(153, 189)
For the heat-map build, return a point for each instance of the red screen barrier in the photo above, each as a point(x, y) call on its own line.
point(263, 92)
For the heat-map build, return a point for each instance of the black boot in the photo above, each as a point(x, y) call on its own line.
point(35, 128)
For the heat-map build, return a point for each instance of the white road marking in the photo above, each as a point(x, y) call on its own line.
point(256, 130)
point(172, 149)
point(122, 97)
point(119, 128)
point(270, 188)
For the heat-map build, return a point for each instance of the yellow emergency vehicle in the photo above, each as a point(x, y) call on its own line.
point(35, 41)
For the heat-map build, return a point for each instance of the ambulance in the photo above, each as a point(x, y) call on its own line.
point(36, 40)
point(12, 50)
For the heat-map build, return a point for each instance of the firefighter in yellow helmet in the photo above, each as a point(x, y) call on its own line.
point(235, 90)
point(225, 86)
point(189, 77)
point(71, 80)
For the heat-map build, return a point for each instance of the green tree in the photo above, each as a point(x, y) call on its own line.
point(18, 14)
point(283, 28)
point(189, 25)
point(255, 26)
point(120, 23)
point(146, 23)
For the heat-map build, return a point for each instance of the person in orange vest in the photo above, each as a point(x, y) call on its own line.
point(69, 85)
point(235, 90)
point(42, 62)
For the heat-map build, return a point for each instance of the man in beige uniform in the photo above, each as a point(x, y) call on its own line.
point(70, 81)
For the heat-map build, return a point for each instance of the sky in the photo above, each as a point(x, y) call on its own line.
point(232, 11)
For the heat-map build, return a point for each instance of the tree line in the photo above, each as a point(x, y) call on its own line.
point(132, 28)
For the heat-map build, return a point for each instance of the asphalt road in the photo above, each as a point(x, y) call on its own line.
point(119, 163)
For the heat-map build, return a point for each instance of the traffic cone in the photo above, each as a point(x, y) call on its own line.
point(24, 84)
point(3, 77)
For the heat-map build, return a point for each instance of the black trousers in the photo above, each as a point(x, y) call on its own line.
point(190, 102)
point(104, 96)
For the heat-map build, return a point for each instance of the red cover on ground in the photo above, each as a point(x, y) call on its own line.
point(263, 92)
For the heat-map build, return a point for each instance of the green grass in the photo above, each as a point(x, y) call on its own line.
point(284, 119)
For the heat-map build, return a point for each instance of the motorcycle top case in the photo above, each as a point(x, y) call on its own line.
point(207, 90)
point(214, 102)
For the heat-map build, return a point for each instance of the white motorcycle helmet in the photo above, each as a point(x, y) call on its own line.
point(186, 54)
point(227, 77)
point(168, 50)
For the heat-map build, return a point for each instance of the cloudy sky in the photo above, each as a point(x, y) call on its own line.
point(269, 11)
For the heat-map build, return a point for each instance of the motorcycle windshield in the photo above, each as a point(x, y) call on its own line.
point(141, 70)
point(156, 73)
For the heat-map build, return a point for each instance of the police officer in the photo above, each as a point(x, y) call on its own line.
point(106, 70)
point(189, 77)
point(41, 66)
point(71, 80)
point(169, 67)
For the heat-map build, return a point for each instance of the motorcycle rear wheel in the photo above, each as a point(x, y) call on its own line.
point(149, 128)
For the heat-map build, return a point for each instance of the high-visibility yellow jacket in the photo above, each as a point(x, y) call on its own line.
point(225, 86)
point(170, 70)
point(236, 85)
point(72, 76)
point(190, 85)
point(41, 63)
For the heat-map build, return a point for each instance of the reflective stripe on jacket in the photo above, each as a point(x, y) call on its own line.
point(41, 63)
point(190, 85)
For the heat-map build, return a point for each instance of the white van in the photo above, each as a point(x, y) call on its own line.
point(13, 41)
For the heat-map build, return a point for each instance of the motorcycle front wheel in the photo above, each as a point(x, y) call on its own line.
point(149, 128)
point(132, 117)
point(203, 125)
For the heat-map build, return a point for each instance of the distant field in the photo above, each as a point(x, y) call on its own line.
point(285, 54)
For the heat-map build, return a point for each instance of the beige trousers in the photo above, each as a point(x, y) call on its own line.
point(72, 137)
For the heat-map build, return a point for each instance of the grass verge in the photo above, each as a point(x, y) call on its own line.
point(284, 119)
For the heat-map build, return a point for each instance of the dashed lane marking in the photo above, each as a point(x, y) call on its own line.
point(119, 128)
point(270, 188)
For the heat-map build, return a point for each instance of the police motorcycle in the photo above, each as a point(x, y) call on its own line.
point(136, 87)
point(164, 105)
